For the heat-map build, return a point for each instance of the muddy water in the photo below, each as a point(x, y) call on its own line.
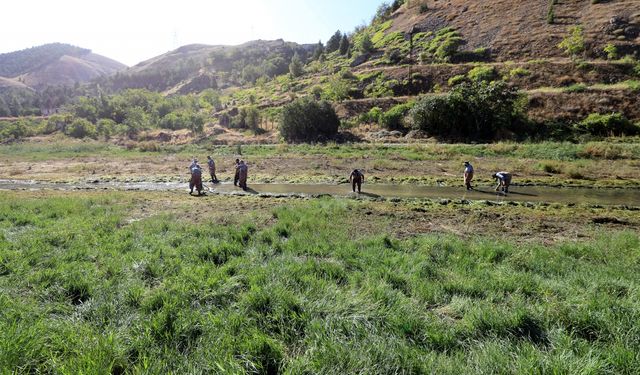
point(630, 197)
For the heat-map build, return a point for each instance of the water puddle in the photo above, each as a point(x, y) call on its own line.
point(629, 197)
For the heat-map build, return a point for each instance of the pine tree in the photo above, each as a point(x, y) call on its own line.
point(295, 68)
point(334, 42)
point(344, 45)
point(318, 51)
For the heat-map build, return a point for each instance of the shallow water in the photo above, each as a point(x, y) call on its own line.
point(630, 197)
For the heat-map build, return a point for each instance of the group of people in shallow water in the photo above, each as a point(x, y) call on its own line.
point(240, 178)
point(503, 178)
point(356, 178)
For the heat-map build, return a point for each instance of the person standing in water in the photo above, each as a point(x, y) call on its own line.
point(468, 175)
point(212, 169)
point(504, 181)
point(237, 175)
point(243, 173)
point(356, 178)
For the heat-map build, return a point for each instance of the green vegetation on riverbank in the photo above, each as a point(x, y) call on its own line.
point(89, 288)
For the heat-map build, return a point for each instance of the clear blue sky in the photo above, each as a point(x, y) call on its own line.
point(131, 31)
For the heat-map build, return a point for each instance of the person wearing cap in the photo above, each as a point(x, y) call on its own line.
point(356, 178)
point(212, 169)
point(468, 175)
point(504, 180)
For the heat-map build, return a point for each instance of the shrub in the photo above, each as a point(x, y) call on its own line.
point(577, 87)
point(443, 46)
point(456, 80)
point(393, 56)
point(573, 44)
point(551, 14)
point(393, 119)
point(306, 120)
point(337, 89)
point(81, 128)
point(633, 85)
point(471, 111)
point(482, 73)
point(106, 127)
point(612, 51)
point(373, 115)
point(519, 72)
point(614, 124)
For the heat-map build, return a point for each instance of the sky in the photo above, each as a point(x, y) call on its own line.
point(131, 31)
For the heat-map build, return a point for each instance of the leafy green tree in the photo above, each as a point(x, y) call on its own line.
point(344, 45)
point(296, 68)
point(471, 111)
point(308, 120)
point(136, 121)
point(106, 128)
point(333, 44)
point(253, 119)
point(393, 119)
point(614, 124)
point(81, 128)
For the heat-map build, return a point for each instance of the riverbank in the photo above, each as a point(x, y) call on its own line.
point(614, 163)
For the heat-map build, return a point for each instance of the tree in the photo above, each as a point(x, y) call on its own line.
point(365, 45)
point(319, 51)
point(81, 128)
point(334, 42)
point(344, 45)
point(253, 118)
point(296, 68)
point(471, 111)
point(308, 120)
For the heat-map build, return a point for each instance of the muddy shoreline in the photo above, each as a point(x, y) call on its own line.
point(518, 193)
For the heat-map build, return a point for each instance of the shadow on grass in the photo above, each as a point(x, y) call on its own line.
point(370, 195)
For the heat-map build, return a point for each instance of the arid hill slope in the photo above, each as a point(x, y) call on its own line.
point(54, 64)
point(519, 30)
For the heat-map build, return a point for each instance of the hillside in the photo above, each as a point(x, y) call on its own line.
point(409, 50)
point(520, 30)
point(194, 68)
point(55, 64)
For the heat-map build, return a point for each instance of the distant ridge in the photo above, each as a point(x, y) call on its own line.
point(53, 64)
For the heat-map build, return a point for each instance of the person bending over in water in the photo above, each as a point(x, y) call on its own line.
point(356, 178)
point(468, 175)
point(504, 180)
point(196, 177)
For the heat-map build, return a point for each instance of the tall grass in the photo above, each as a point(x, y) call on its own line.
point(85, 290)
point(625, 148)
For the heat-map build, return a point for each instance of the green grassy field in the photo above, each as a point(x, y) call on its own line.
point(102, 283)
